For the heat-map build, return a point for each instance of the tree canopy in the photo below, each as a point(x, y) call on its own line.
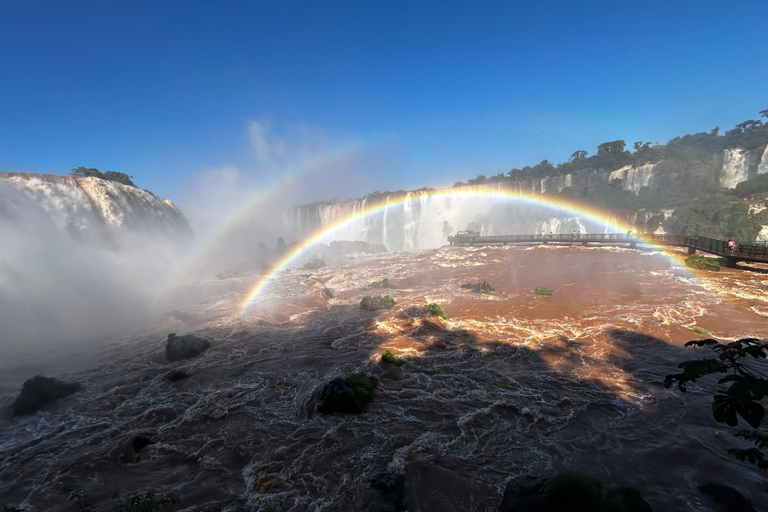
point(90, 172)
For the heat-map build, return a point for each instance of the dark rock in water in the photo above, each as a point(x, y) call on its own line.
point(481, 287)
point(180, 315)
point(569, 490)
point(440, 485)
point(328, 293)
point(40, 391)
point(414, 312)
point(384, 283)
point(175, 375)
point(130, 449)
point(391, 493)
point(184, 347)
point(349, 393)
point(376, 302)
point(728, 498)
point(314, 264)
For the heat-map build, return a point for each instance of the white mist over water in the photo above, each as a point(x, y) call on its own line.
point(71, 280)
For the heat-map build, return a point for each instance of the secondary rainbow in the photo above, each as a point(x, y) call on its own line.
point(572, 207)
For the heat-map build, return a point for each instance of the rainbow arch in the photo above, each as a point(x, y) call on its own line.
point(576, 209)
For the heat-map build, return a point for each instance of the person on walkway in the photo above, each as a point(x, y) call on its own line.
point(731, 246)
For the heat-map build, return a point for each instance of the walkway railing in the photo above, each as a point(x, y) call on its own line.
point(752, 251)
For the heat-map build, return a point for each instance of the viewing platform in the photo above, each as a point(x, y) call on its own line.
point(750, 251)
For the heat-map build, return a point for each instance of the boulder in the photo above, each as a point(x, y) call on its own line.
point(391, 493)
point(481, 287)
point(176, 375)
point(376, 302)
point(184, 347)
point(384, 283)
point(349, 393)
point(40, 391)
point(729, 499)
point(569, 490)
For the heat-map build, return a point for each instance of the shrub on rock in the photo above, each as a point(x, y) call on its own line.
point(702, 262)
point(570, 490)
point(543, 290)
point(348, 393)
point(376, 302)
point(184, 347)
point(481, 287)
point(40, 391)
point(435, 310)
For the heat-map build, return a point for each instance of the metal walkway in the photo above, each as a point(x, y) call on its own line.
point(754, 251)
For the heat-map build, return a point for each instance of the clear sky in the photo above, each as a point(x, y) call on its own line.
point(436, 91)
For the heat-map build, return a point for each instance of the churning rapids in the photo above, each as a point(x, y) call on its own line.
point(515, 383)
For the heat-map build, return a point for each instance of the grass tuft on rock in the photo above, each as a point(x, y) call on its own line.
point(543, 290)
point(40, 391)
point(436, 310)
point(388, 357)
point(481, 287)
point(697, 330)
point(702, 262)
point(376, 302)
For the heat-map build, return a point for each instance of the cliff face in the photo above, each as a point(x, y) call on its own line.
point(92, 207)
point(643, 195)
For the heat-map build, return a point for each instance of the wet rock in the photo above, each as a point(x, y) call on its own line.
point(376, 302)
point(481, 287)
point(439, 486)
point(384, 283)
point(391, 493)
point(184, 347)
point(175, 375)
point(350, 393)
point(130, 451)
point(729, 499)
point(414, 312)
point(569, 490)
point(40, 391)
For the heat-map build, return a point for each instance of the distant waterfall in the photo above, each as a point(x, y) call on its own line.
point(762, 168)
point(735, 168)
point(634, 178)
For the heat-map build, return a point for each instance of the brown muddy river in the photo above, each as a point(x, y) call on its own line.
point(514, 384)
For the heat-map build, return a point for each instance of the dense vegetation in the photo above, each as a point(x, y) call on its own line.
point(702, 207)
point(743, 362)
point(89, 172)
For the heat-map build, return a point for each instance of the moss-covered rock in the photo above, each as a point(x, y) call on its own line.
point(543, 290)
point(388, 357)
point(348, 393)
point(376, 302)
point(702, 262)
point(40, 391)
point(481, 287)
point(184, 347)
point(436, 310)
point(570, 490)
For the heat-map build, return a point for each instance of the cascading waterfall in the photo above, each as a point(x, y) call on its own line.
point(734, 168)
point(762, 168)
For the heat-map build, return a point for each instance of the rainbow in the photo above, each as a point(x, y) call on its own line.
point(248, 209)
point(571, 207)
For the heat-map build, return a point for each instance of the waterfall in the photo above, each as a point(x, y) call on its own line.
point(734, 168)
point(634, 178)
point(762, 168)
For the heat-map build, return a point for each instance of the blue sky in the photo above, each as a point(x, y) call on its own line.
point(435, 92)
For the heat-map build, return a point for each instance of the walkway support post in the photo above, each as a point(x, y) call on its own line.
point(691, 250)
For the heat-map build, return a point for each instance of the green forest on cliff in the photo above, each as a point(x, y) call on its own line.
point(690, 165)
